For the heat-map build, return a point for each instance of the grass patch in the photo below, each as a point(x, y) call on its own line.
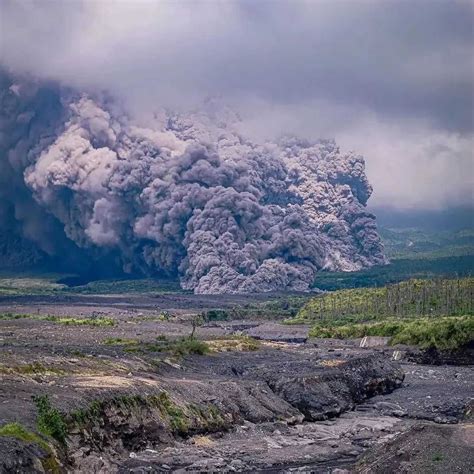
point(440, 333)
point(18, 431)
point(69, 321)
point(11, 316)
point(234, 343)
point(177, 347)
point(124, 286)
point(50, 421)
point(180, 347)
point(34, 368)
point(66, 320)
point(176, 415)
point(29, 286)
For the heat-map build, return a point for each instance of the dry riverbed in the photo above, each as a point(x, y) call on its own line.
point(135, 398)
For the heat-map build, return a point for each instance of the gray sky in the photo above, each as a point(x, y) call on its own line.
point(392, 80)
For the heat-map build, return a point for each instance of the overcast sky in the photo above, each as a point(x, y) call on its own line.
point(392, 80)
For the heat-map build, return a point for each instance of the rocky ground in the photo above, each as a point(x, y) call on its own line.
point(273, 402)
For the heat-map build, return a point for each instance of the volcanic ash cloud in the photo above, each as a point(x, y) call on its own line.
point(186, 195)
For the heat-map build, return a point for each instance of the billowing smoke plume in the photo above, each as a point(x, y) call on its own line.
point(186, 195)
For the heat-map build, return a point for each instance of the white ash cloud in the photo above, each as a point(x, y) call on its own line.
point(188, 195)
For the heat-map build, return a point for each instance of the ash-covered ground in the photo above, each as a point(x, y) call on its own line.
point(265, 399)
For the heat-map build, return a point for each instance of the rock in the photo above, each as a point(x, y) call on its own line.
point(19, 457)
point(236, 464)
point(374, 341)
point(398, 355)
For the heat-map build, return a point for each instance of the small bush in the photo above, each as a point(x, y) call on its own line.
point(50, 421)
point(216, 315)
point(177, 347)
point(189, 346)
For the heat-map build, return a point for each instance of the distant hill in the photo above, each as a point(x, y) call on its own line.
point(418, 243)
point(450, 219)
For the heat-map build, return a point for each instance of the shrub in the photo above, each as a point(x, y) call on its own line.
point(216, 315)
point(189, 346)
point(440, 333)
point(50, 421)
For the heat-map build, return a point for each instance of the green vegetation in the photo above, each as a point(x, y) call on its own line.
point(177, 347)
point(50, 421)
point(410, 243)
point(34, 368)
point(189, 346)
point(208, 417)
point(18, 431)
point(440, 333)
point(441, 297)
point(234, 343)
point(275, 307)
point(216, 315)
point(121, 286)
point(413, 253)
point(66, 320)
point(181, 419)
point(69, 321)
point(396, 271)
point(175, 414)
point(29, 285)
point(427, 313)
point(36, 283)
point(9, 316)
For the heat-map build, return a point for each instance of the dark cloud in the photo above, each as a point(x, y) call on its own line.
point(393, 70)
point(395, 57)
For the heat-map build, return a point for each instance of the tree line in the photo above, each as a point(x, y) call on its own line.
point(433, 297)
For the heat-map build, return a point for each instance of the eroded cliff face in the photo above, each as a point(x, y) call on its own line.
point(184, 194)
